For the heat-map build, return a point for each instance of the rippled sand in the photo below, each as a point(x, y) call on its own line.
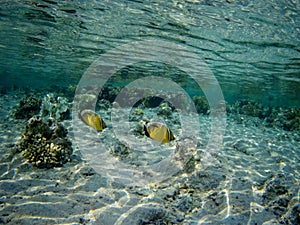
point(254, 179)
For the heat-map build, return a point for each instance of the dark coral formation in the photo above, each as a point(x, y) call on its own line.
point(250, 108)
point(287, 119)
point(109, 93)
point(284, 118)
point(28, 107)
point(44, 143)
point(201, 104)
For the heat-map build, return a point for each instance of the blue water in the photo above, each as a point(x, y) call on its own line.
point(252, 47)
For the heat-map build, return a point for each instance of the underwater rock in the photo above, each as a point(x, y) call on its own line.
point(186, 149)
point(288, 119)
point(44, 143)
point(136, 114)
point(185, 203)
point(152, 215)
point(28, 107)
point(201, 104)
point(293, 217)
point(104, 105)
point(280, 194)
point(165, 109)
point(138, 111)
point(139, 128)
point(119, 150)
point(214, 203)
point(249, 108)
point(3, 199)
point(207, 180)
point(109, 93)
point(55, 107)
point(152, 102)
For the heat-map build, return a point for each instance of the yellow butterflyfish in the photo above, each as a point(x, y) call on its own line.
point(158, 132)
point(92, 119)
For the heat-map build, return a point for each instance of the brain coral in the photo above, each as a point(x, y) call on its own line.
point(44, 143)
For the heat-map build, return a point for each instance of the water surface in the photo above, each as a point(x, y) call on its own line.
point(252, 47)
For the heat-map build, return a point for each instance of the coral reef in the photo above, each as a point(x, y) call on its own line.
point(250, 108)
point(136, 114)
point(109, 93)
point(287, 119)
point(27, 107)
point(201, 104)
point(165, 109)
point(44, 143)
point(152, 102)
point(55, 107)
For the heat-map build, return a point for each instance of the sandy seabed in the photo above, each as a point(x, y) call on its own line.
point(254, 180)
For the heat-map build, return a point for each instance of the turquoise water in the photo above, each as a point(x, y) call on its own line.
point(252, 47)
point(223, 77)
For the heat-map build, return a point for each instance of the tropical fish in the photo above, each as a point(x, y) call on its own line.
point(158, 132)
point(92, 119)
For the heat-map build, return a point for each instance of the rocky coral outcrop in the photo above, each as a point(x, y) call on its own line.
point(44, 143)
point(284, 118)
point(201, 104)
point(27, 107)
point(55, 107)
